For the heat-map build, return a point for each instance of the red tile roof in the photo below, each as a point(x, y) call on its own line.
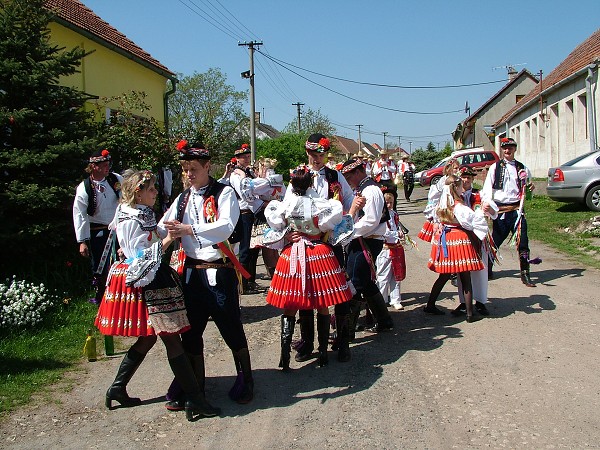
point(345, 145)
point(75, 15)
point(584, 54)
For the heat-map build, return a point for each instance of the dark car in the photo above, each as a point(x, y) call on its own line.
point(577, 181)
point(476, 157)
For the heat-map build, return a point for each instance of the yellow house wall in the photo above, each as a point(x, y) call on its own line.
point(105, 73)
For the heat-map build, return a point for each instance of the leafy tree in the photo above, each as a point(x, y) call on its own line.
point(135, 140)
point(311, 121)
point(205, 108)
point(426, 158)
point(43, 134)
point(287, 149)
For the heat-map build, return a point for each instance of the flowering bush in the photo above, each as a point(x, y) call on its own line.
point(23, 304)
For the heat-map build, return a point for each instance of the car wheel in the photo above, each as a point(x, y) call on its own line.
point(435, 180)
point(592, 198)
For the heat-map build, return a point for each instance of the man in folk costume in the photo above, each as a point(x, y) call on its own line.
point(204, 217)
point(505, 185)
point(384, 172)
point(330, 184)
point(479, 279)
point(96, 200)
point(248, 208)
point(369, 230)
point(406, 170)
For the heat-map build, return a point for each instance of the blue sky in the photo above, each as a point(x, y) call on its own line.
point(391, 42)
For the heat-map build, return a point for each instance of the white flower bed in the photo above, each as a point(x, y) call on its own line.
point(23, 304)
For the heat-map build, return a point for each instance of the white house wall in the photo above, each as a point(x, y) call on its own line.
point(557, 133)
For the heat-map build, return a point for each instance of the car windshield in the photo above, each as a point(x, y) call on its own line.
point(579, 158)
point(440, 163)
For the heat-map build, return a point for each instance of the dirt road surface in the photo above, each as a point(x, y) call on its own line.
point(524, 377)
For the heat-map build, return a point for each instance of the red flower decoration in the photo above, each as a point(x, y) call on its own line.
point(105, 153)
point(324, 142)
point(245, 146)
point(182, 145)
point(69, 263)
point(504, 139)
point(233, 161)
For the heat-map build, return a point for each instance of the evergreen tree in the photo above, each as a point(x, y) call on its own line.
point(42, 135)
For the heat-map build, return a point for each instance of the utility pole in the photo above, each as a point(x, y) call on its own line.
point(251, 46)
point(399, 143)
point(384, 135)
point(298, 105)
point(410, 147)
point(359, 140)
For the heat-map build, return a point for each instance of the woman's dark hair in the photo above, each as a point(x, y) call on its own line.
point(301, 180)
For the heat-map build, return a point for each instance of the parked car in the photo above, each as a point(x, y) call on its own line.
point(577, 181)
point(475, 157)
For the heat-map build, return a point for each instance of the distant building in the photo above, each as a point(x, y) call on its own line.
point(558, 119)
point(477, 129)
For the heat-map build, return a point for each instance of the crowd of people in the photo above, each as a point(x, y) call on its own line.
point(331, 242)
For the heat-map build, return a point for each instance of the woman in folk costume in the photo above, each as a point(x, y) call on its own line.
point(456, 245)
point(144, 297)
point(433, 198)
point(308, 275)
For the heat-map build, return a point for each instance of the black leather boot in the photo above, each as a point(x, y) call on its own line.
point(195, 403)
point(524, 263)
point(245, 393)
point(118, 390)
point(342, 324)
point(287, 332)
point(383, 320)
point(356, 305)
point(307, 336)
point(323, 338)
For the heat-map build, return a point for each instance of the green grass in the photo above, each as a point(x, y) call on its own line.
point(547, 221)
point(34, 360)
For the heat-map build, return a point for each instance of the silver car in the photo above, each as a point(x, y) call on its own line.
point(577, 181)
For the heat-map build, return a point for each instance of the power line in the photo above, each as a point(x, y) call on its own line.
point(197, 10)
point(362, 101)
point(397, 86)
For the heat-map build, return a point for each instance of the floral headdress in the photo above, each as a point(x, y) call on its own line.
point(194, 151)
point(321, 146)
point(243, 150)
point(146, 176)
point(100, 156)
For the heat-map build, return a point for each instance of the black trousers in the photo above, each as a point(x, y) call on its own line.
point(504, 225)
point(221, 302)
point(358, 268)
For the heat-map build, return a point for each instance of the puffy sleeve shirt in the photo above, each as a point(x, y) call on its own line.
point(206, 233)
point(106, 205)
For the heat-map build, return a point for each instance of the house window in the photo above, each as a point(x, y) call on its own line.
point(569, 121)
point(582, 117)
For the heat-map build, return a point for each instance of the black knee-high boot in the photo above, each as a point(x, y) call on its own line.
point(243, 390)
point(287, 332)
point(118, 390)
point(307, 335)
point(343, 327)
point(524, 263)
point(383, 320)
point(195, 403)
point(323, 337)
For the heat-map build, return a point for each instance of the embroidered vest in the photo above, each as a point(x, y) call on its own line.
point(501, 172)
point(368, 181)
point(112, 180)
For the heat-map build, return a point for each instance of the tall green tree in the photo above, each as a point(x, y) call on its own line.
point(205, 108)
point(311, 121)
point(135, 139)
point(287, 149)
point(43, 134)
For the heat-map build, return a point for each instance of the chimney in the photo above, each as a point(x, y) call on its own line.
point(512, 73)
point(257, 117)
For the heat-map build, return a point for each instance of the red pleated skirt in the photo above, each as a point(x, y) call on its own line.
point(325, 281)
point(461, 253)
point(123, 311)
point(426, 232)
